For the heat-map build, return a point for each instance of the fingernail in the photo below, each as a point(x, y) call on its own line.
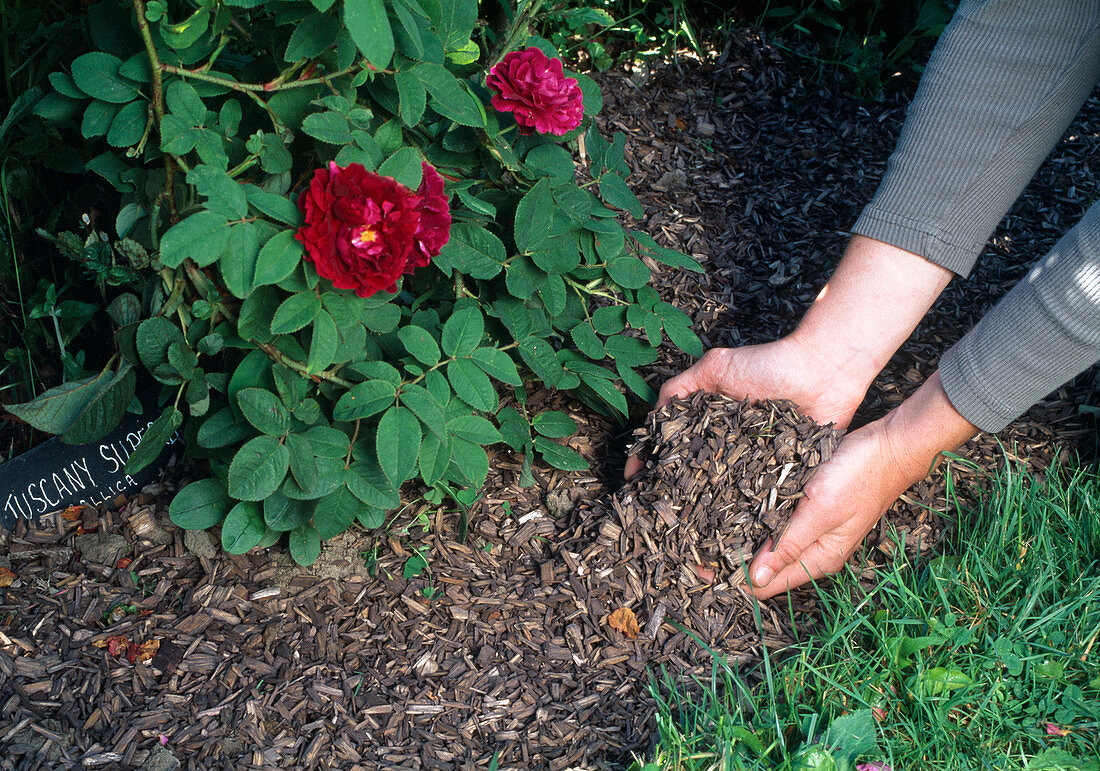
point(763, 575)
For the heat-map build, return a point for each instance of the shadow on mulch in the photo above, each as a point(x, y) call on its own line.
point(501, 648)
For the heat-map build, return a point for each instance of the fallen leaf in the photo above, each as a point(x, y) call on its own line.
point(144, 652)
point(625, 621)
point(6, 577)
point(123, 563)
point(1055, 730)
point(117, 645)
point(72, 513)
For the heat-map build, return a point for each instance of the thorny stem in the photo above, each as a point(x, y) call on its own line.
point(277, 356)
point(354, 436)
point(183, 72)
point(157, 68)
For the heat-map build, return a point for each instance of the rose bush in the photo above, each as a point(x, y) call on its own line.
point(342, 248)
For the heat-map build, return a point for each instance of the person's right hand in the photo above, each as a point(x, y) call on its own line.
point(777, 370)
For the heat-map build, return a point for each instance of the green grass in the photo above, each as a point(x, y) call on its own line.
point(957, 663)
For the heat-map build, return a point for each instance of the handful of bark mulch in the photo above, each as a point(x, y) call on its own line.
point(720, 477)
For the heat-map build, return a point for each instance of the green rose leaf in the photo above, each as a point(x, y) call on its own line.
point(474, 251)
point(369, 26)
point(153, 439)
point(278, 258)
point(200, 505)
point(463, 331)
point(97, 75)
point(471, 385)
point(264, 411)
point(258, 468)
point(203, 237)
point(471, 462)
point(473, 428)
point(222, 429)
point(282, 514)
point(305, 545)
point(450, 97)
point(365, 399)
point(128, 125)
point(615, 191)
point(497, 364)
point(559, 456)
point(104, 411)
point(183, 101)
point(325, 340)
point(238, 263)
point(628, 272)
point(398, 444)
point(554, 424)
point(335, 512)
point(534, 217)
point(226, 196)
point(368, 483)
point(243, 528)
point(425, 407)
point(295, 312)
point(419, 342)
point(435, 456)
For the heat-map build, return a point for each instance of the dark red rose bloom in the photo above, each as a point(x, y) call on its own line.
point(363, 230)
point(534, 88)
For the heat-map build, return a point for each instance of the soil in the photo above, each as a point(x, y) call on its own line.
point(512, 645)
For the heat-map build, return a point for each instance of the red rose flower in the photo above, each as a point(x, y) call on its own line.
point(363, 230)
point(534, 88)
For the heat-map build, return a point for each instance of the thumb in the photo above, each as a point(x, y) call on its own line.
point(802, 532)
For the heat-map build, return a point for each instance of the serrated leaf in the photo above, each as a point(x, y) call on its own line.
point(97, 119)
point(282, 514)
point(183, 101)
point(222, 429)
point(365, 399)
point(264, 410)
point(473, 428)
point(628, 271)
point(419, 342)
point(238, 264)
point(450, 98)
point(335, 512)
point(323, 344)
point(497, 364)
point(368, 483)
point(305, 545)
point(463, 331)
point(630, 351)
point(412, 97)
point(295, 312)
point(587, 342)
point(243, 528)
point(128, 125)
point(258, 468)
point(200, 505)
point(554, 424)
point(607, 392)
point(684, 338)
point(369, 26)
point(474, 251)
point(225, 195)
point(471, 385)
point(471, 461)
point(97, 75)
point(559, 456)
point(104, 411)
point(435, 456)
point(202, 237)
point(328, 127)
point(153, 440)
point(616, 192)
point(280, 209)
point(406, 166)
point(328, 442)
point(398, 444)
point(534, 217)
point(55, 410)
point(425, 407)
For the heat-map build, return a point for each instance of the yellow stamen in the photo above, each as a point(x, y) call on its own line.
point(364, 235)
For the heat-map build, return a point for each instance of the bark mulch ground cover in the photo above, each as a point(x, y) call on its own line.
point(126, 643)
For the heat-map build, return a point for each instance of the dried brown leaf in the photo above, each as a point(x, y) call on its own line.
point(625, 621)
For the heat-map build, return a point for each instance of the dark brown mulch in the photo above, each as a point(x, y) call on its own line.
point(504, 647)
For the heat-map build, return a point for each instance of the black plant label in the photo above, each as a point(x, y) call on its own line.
point(55, 475)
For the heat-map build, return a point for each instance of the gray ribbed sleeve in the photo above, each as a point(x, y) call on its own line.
point(1041, 334)
point(1002, 84)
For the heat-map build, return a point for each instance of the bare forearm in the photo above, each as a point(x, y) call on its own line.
point(875, 298)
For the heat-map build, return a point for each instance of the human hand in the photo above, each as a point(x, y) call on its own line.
point(847, 495)
point(779, 370)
